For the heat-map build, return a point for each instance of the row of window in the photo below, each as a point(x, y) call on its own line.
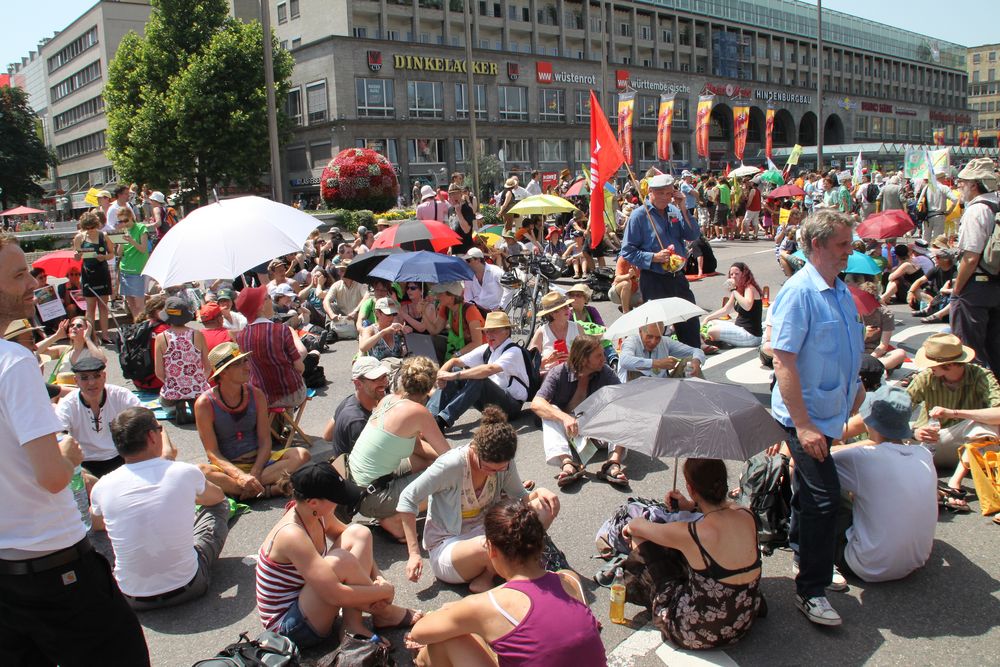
point(91, 143)
point(977, 58)
point(988, 107)
point(288, 10)
point(79, 113)
point(879, 127)
point(91, 72)
point(984, 89)
point(991, 75)
point(73, 49)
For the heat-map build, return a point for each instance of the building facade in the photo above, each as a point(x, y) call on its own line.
point(984, 91)
point(391, 75)
point(66, 78)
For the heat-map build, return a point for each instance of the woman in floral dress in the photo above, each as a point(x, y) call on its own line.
point(181, 357)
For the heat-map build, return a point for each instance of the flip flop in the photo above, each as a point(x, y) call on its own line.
point(955, 505)
point(617, 479)
point(959, 494)
point(565, 479)
point(996, 519)
point(409, 619)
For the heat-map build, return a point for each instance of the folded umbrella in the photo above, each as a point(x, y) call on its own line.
point(790, 190)
point(423, 267)
point(418, 235)
point(362, 265)
point(542, 205)
point(665, 311)
point(886, 225)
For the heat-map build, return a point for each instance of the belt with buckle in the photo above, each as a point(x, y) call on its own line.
point(47, 562)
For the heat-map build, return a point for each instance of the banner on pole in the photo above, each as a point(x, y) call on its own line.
point(664, 123)
point(702, 124)
point(769, 131)
point(626, 113)
point(963, 138)
point(939, 137)
point(975, 138)
point(793, 157)
point(741, 123)
point(920, 163)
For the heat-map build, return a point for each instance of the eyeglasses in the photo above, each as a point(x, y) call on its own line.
point(413, 288)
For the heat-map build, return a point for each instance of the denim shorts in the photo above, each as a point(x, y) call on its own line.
point(132, 284)
point(295, 626)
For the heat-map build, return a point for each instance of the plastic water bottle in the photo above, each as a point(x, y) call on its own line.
point(80, 495)
point(618, 597)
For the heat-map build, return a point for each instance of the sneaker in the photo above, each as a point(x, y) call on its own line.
point(838, 584)
point(818, 610)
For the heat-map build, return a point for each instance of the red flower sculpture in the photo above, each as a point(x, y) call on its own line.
point(360, 178)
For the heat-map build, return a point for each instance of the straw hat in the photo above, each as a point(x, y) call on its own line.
point(552, 302)
point(941, 349)
point(981, 169)
point(511, 182)
point(18, 327)
point(496, 320)
point(581, 288)
point(224, 354)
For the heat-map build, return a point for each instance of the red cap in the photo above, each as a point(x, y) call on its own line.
point(250, 301)
point(209, 311)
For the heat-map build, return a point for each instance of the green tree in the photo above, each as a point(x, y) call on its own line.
point(490, 172)
point(23, 155)
point(187, 100)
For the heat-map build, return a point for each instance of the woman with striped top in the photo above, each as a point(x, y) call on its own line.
point(311, 566)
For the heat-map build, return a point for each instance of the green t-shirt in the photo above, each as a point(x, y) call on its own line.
point(724, 195)
point(133, 259)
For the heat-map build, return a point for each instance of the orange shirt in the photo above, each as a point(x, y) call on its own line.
point(622, 267)
point(471, 313)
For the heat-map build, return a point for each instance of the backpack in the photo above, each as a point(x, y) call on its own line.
point(990, 260)
point(609, 537)
point(766, 488)
point(871, 194)
point(313, 374)
point(534, 376)
point(134, 354)
point(268, 650)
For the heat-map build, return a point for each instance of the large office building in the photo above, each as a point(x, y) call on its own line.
point(392, 75)
point(65, 81)
point(984, 91)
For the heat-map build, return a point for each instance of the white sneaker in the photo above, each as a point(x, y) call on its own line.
point(818, 610)
point(838, 584)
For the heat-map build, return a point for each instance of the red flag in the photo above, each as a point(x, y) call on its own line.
point(741, 123)
point(725, 172)
point(605, 160)
point(769, 132)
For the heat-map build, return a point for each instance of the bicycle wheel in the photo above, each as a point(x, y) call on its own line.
point(517, 310)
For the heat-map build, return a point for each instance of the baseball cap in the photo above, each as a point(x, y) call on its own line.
point(318, 480)
point(474, 253)
point(369, 368)
point(224, 293)
point(176, 311)
point(209, 311)
point(387, 306)
point(284, 289)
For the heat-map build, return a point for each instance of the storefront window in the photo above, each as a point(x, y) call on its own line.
point(425, 99)
point(375, 98)
point(513, 102)
point(423, 151)
point(552, 105)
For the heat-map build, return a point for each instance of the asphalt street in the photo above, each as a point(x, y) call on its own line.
point(946, 614)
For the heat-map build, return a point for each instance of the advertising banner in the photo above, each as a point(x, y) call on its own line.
point(741, 123)
point(702, 124)
point(664, 123)
point(626, 114)
point(769, 132)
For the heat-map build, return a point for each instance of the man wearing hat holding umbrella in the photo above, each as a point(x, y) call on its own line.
point(657, 232)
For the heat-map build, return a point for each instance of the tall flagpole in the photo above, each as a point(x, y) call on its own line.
point(471, 100)
point(819, 85)
point(277, 189)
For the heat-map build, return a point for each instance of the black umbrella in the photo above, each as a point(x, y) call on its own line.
point(361, 266)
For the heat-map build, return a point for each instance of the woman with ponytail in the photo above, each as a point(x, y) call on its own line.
point(535, 618)
point(698, 602)
point(458, 487)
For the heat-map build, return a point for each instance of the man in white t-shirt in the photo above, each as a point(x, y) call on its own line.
point(484, 288)
point(148, 506)
point(121, 194)
point(890, 530)
point(493, 373)
point(86, 414)
point(57, 599)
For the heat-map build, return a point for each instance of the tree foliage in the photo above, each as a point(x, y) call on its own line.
point(490, 171)
point(23, 156)
point(187, 100)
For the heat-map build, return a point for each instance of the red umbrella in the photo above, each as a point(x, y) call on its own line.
point(21, 210)
point(790, 190)
point(418, 235)
point(57, 263)
point(580, 187)
point(865, 302)
point(885, 225)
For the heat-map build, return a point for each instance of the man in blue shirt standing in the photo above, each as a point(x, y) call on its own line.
point(818, 339)
point(661, 222)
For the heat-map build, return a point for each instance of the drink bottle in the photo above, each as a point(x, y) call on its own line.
point(618, 597)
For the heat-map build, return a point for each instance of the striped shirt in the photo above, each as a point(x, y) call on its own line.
point(272, 353)
point(976, 390)
point(278, 585)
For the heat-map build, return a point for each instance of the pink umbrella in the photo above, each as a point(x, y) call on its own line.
point(865, 302)
point(886, 225)
point(21, 210)
point(580, 187)
point(57, 263)
point(790, 190)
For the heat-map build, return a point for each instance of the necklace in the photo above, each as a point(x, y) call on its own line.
point(226, 403)
point(717, 509)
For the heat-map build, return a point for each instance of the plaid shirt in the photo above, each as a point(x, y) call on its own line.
point(977, 389)
point(272, 353)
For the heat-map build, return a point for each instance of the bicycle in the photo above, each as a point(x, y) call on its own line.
point(523, 307)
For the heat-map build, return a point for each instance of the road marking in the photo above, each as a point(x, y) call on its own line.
point(761, 252)
point(676, 657)
point(722, 357)
point(749, 372)
point(642, 641)
point(916, 330)
point(638, 644)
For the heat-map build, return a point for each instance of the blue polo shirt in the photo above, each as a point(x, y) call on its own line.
point(690, 198)
point(640, 243)
point(820, 324)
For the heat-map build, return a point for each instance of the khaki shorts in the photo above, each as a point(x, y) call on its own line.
point(382, 503)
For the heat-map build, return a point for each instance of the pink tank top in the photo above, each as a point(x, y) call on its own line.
point(185, 374)
point(557, 631)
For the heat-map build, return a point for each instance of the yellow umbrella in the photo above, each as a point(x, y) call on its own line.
point(489, 238)
point(91, 197)
point(542, 205)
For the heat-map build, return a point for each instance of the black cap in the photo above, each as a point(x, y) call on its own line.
point(320, 481)
point(87, 365)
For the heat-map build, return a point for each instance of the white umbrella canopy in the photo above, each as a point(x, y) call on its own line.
point(742, 171)
point(666, 311)
point(227, 238)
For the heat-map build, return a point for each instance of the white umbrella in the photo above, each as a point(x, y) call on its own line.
point(227, 238)
point(666, 311)
point(521, 193)
point(742, 171)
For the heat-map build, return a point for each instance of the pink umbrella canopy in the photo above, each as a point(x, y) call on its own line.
point(580, 187)
point(790, 190)
point(58, 263)
point(21, 210)
point(886, 225)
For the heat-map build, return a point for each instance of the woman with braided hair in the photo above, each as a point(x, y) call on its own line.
point(698, 602)
point(535, 618)
point(458, 487)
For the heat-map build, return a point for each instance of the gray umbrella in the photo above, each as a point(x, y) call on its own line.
point(687, 417)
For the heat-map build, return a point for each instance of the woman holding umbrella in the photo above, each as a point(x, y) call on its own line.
point(95, 249)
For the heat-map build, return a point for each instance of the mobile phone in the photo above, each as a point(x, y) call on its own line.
point(560, 346)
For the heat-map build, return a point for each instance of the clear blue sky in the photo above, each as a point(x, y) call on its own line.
point(964, 22)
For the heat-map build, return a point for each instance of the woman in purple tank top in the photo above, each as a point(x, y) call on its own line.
point(535, 618)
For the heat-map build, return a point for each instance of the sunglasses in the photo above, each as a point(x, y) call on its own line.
point(413, 288)
point(78, 326)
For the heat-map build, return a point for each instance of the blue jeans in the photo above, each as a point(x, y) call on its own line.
point(295, 626)
point(813, 530)
point(458, 396)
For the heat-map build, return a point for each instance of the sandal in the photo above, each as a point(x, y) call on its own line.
point(566, 478)
point(996, 519)
point(409, 619)
point(955, 505)
point(612, 474)
point(951, 492)
point(931, 319)
point(710, 349)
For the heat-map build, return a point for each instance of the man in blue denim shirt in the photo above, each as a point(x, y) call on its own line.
point(646, 247)
point(818, 340)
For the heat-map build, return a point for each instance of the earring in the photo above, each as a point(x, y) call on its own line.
point(315, 513)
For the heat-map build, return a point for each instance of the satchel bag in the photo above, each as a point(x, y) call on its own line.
point(985, 468)
point(358, 651)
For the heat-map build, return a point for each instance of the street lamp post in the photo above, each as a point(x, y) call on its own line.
point(470, 98)
point(819, 85)
point(277, 193)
